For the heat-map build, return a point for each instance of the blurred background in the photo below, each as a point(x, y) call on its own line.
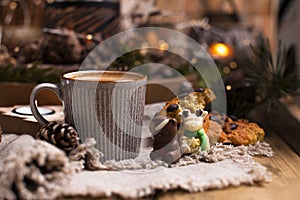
point(254, 45)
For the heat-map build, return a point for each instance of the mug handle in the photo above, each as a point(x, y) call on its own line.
point(34, 93)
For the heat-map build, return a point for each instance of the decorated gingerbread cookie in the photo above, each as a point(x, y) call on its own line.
point(192, 135)
point(198, 99)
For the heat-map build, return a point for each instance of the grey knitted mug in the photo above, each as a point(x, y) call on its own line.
point(105, 105)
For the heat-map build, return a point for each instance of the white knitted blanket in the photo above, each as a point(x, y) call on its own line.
point(32, 169)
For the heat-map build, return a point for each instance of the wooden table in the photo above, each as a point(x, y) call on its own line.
point(285, 184)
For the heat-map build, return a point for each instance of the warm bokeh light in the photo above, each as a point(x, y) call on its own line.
point(50, 1)
point(163, 45)
point(13, 5)
point(233, 65)
point(226, 70)
point(89, 37)
point(228, 87)
point(144, 51)
point(194, 61)
point(220, 50)
point(37, 2)
point(16, 49)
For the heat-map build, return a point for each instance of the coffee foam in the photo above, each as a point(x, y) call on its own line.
point(104, 76)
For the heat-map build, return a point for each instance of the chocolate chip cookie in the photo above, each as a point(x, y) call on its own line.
point(232, 130)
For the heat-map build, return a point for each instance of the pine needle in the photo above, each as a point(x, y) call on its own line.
point(28, 73)
point(273, 78)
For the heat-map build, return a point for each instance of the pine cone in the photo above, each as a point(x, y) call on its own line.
point(62, 136)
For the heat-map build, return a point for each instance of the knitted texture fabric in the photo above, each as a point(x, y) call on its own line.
point(192, 178)
point(31, 169)
point(34, 169)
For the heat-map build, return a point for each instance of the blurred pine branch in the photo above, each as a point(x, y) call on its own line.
point(25, 73)
point(273, 78)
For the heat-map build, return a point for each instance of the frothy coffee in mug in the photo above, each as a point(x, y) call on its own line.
point(112, 76)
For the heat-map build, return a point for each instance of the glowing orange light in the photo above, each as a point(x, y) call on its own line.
point(220, 50)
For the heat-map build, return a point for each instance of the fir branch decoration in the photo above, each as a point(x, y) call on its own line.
point(135, 58)
point(129, 60)
point(273, 78)
point(25, 73)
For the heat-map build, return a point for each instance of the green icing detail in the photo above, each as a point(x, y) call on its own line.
point(204, 139)
point(201, 135)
